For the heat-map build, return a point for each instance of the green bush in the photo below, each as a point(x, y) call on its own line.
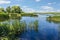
point(5, 16)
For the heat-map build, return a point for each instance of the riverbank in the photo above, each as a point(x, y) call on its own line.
point(16, 15)
point(28, 14)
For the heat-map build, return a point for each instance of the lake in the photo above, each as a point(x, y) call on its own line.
point(45, 29)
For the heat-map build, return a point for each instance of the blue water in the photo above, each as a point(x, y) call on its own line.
point(46, 30)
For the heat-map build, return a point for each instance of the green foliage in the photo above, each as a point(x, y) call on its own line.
point(55, 19)
point(16, 9)
point(29, 14)
point(13, 9)
point(15, 16)
point(2, 10)
point(5, 16)
point(4, 38)
point(8, 9)
point(11, 30)
point(34, 25)
point(4, 30)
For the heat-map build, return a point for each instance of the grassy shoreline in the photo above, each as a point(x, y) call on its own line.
point(16, 15)
point(55, 19)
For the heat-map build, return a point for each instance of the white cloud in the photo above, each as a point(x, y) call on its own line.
point(46, 7)
point(27, 9)
point(18, 0)
point(41, 9)
point(58, 10)
point(49, 3)
point(48, 10)
point(4, 2)
point(52, 3)
point(37, 0)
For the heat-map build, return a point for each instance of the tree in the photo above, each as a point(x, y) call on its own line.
point(2, 10)
point(16, 9)
point(8, 9)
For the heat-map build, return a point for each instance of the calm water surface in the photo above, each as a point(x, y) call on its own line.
point(46, 30)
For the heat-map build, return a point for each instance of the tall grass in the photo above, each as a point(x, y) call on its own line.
point(13, 30)
point(33, 25)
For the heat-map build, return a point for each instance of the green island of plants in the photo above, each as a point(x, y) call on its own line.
point(55, 19)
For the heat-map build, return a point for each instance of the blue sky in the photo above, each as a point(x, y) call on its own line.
point(33, 5)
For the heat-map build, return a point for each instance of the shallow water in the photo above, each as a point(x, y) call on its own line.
point(45, 31)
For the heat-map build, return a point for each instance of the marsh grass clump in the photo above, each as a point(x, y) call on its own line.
point(19, 27)
point(4, 30)
point(34, 25)
point(12, 31)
